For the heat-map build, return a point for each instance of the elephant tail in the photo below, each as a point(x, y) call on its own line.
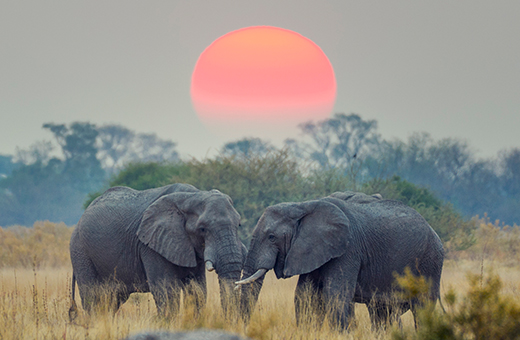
point(73, 310)
point(440, 303)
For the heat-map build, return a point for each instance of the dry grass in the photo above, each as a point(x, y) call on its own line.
point(34, 305)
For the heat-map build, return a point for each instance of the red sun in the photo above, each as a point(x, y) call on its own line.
point(263, 74)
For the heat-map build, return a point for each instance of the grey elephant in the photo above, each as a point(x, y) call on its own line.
point(346, 248)
point(158, 240)
point(193, 335)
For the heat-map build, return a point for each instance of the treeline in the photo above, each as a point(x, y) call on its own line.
point(50, 180)
point(340, 153)
point(448, 167)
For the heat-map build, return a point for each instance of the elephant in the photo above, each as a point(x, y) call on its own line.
point(203, 334)
point(346, 248)
point(158, 240)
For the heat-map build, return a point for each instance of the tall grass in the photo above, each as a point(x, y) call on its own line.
point(46, 244)
point(34, 304)
point(35, 296)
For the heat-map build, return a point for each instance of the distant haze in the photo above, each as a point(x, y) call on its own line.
point(448, 68)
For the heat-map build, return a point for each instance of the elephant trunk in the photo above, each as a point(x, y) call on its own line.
point(228, 268)
point(250, 291)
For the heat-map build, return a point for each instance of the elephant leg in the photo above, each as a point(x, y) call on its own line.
point(89, 284)
point(414, 306)
point(339, 286)
point(308, 300)
point(167, 296)
point(379, 314)
point(112, 295)
point(165, 282)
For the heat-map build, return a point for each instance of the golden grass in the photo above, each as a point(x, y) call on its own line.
point(34, 304)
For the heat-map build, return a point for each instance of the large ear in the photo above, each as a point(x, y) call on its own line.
point(162, 229)
point(323, 233)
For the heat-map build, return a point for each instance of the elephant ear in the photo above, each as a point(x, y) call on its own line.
point(322, 234)
point(163, 229)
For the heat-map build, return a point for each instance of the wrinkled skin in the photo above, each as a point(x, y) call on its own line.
point(346, 248)
point(156, 241)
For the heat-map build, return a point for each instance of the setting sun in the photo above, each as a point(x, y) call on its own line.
point(263, 74)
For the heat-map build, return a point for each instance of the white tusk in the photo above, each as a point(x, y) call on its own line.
point(209, 266)
point(252, 278)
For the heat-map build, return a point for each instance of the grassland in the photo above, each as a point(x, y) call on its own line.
point(34, 305)
point(35, 297)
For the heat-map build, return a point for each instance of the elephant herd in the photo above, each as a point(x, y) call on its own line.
point(346, 248)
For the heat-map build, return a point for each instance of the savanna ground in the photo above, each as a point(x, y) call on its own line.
point(35, 293)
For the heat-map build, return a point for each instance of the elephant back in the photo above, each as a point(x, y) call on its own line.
point(123, 207)
point(388, 225)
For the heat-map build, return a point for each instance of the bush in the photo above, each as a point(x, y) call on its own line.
point(483, 313)
point(493, 241)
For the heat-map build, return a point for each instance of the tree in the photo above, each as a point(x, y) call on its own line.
point(247, 147)
point(118, 146)
point(338, 141)
point(510, 172)
point(7, 165)
point(38, 192)
point(46, 188)
point(81, 169)
point(37, 152)
point(114, 144)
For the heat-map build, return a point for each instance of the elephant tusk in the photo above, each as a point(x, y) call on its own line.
point(252, 278)
point(209, 266)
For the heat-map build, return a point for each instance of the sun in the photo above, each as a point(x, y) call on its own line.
point(262, 75)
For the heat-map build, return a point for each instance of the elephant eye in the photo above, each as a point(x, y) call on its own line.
point(202, 230)
point(271, 237)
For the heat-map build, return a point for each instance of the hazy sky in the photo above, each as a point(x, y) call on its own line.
point(450, 68)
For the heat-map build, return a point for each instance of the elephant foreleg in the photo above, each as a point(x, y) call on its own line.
point(167, 298)
point(308, 300)
point(380, 314)
point(339, 286)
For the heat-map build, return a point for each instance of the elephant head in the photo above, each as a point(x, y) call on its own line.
point(292, 239)
point(187, 228)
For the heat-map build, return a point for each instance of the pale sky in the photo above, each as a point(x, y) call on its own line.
point(449, 68)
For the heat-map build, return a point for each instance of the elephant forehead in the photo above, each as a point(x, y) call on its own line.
point(218, 207)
